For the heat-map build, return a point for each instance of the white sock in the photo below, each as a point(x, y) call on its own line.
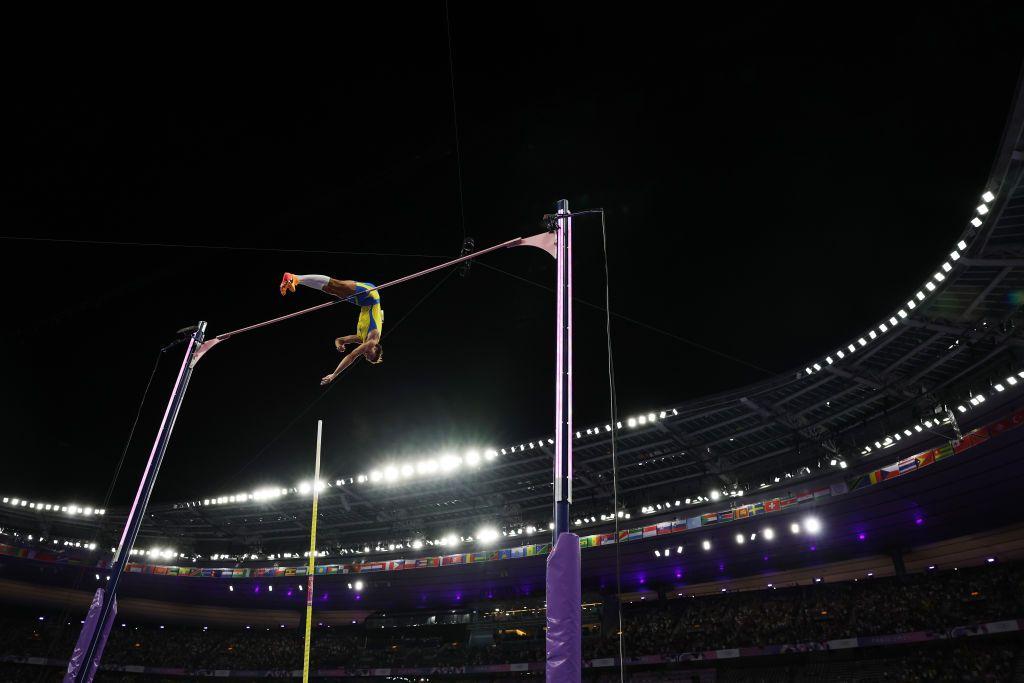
point(314, 281)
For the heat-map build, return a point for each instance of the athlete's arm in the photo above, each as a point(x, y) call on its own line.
point(348, 360)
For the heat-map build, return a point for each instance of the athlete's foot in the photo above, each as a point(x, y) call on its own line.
point(288, 282)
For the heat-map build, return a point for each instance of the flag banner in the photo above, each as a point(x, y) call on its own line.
point(839, 489)
point(971, 440)
point(694, 523)
point(651, 530)
point(786, 502)
point(740, 513)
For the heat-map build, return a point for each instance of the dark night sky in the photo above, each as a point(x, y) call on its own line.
point(773, 187)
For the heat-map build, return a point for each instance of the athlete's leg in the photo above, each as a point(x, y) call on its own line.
point(340, 288)
point(321, 282)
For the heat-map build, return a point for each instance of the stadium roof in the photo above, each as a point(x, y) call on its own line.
point(931, 350)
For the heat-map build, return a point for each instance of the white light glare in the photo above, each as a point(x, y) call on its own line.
point(487, 534)
point(706, 545)
point(768, 534)
point(715, 495)
point(982, 210)
point(976, 222)
point(739, 539)
point(812, 525)
point(988, 196)
point(794, 527)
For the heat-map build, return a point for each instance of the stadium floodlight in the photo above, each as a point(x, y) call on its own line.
point(768, 534)
point(472, 458)
point(449, 462)
point(982, 210)
point(490, 454)
point(642, 419)
point(304, 488)
point(873, 334)
point(828, 359)
point(930, 286)
point(390, 473)
point(651, 417)
point(976, 222)
point(631, 422)
point(706, 545)
point(862, 341)
point(487, 534)
point(954, 256)
point(938, 277)
point(657, 553)
point(358, 586)
point(851, 348)
point(988, 196)
point(901, 313)
point(417, 544)
point(376, 475)
point(812, 524)
point(832, 462)
point(840, 354)
point(531, 530)
point(715, 495)
point(739, 539)
point(999, 387)
point(961, 245)
point(679, 550)
point(794, 527)
point(911, 305)
point(842, 464)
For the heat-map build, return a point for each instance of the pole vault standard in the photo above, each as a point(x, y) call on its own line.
point(562, 580)
point(85, 659)
point(312, 554)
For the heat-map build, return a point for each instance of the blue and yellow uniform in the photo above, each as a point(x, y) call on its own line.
point(371, 315)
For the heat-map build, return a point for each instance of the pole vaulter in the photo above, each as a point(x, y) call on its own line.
point(88, 651)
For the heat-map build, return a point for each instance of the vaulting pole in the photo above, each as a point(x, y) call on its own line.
point(312, 555)
point(564, 611)
point(88, 650)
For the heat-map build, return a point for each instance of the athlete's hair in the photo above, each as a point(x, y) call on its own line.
point(380, 355)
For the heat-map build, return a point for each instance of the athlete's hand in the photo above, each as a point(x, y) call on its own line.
point(327, 379)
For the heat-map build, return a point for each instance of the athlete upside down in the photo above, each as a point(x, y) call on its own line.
point(371, 317)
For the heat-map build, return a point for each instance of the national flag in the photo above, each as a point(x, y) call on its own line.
point(821, 493)
point(664, 528)
point(925, 459)
point(708, 518)
point(679, 525)
point(943, 451)
point(756, 508)
point(134, 568)
point(725, 516)
point(635, 534)
point(740, 513)
point(907, 465)
point(979, 435)
point(890, 471)
point(159, 570)
point(839, 489)
point(606, 539)
point(804, 496)
point(650, 531)
point(448, 560)
point(786, 502)
point(773, 505)
point(519, 552)
point(876, 477)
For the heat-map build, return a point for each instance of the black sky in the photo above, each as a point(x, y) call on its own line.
point(775, 183)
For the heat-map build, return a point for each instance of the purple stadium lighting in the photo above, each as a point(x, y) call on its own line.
point(862, 536)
